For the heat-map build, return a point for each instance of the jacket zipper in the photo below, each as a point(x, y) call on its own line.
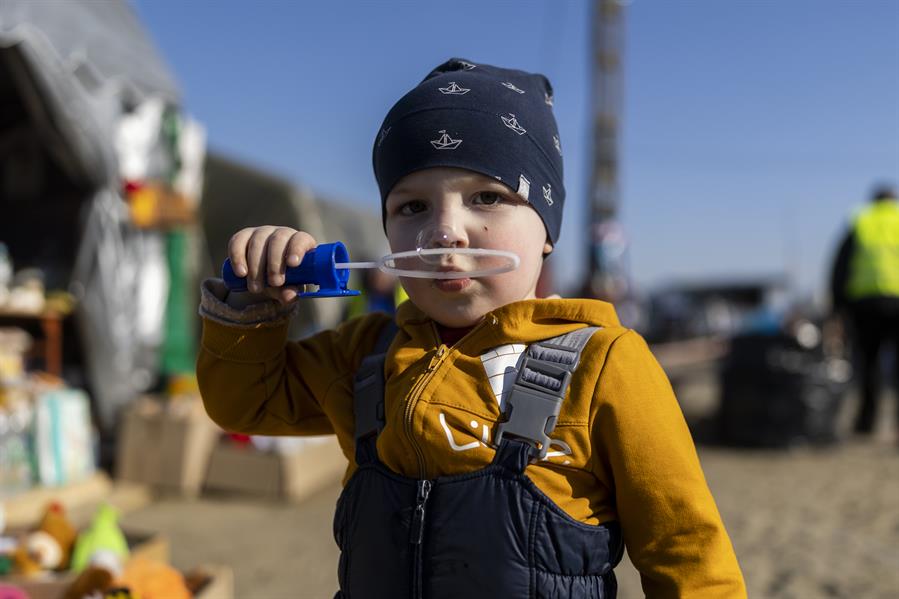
point(417, 530)
point(416, 393)
point(423, 486)
point(418, 388)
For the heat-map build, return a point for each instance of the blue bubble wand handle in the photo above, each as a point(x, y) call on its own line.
point(326, 266)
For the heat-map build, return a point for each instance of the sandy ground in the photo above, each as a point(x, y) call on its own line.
point(805, 523)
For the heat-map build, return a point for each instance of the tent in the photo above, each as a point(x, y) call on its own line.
point(69, 72)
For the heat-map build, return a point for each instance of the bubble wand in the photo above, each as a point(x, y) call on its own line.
point(328, 265)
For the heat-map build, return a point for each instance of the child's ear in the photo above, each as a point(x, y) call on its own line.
point(547, 248)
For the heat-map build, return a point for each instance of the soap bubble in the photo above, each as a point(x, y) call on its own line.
point(440, 236)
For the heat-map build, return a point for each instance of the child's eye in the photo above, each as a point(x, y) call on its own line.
point(487, 198)
point(410, 208)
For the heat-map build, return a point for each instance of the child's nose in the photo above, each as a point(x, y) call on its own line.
point(442, 235)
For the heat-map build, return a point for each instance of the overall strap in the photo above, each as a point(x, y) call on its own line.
point(368, 397)
point(536, 398)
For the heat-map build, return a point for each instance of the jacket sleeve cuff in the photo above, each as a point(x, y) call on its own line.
point(242, 309)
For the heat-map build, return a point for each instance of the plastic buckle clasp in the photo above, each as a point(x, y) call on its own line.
point(532, 409)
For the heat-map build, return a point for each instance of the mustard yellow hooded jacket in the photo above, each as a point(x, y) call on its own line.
point(621, 449)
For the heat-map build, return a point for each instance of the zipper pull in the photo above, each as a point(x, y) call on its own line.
point(436, 358)
point(417, 528)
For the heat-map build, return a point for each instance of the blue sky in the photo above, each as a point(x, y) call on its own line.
point(750, 128)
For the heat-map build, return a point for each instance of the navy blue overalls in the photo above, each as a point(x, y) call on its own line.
point(490, 533)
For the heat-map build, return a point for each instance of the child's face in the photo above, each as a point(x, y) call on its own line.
point(482, 213)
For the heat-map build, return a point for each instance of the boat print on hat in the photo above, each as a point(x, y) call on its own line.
point(467, 65)
point(512, 123)
point(548, 98)
point(511, 86)
point(383, 135)
point(548, 194)
point(558, 144)
point(445, 142)
point(453, 89)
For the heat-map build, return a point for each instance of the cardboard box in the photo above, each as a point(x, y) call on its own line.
point(291, 476)
point(80, 500)
point(166, 444)
point(26, 509)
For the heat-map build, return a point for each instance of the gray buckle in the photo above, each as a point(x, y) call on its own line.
point(532, 409)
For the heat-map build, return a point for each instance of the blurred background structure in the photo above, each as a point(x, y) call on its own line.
point(105, 202)
point(70, 103)
point(715, 152)
point(607, 276)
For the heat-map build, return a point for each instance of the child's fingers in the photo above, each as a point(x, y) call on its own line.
point(300, 243)
point(288, 294)
point(262, 254)
point(257, 257)
point(277, 243)
point(237, 251)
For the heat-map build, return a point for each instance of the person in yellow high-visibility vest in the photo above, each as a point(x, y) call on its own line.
point(865, 290)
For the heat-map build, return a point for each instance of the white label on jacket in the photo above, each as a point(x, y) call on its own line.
point(501, 365)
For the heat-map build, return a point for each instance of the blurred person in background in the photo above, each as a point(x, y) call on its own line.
point(865, 291)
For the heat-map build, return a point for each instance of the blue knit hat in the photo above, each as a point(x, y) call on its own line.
point(494, 121)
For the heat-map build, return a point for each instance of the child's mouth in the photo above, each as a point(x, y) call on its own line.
point(451, 285)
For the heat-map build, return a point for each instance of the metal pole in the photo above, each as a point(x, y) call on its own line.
point(606, 267)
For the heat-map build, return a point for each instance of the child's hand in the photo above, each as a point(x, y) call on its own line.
point(262, 254)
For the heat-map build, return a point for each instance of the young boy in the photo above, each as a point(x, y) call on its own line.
point(502, 445)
